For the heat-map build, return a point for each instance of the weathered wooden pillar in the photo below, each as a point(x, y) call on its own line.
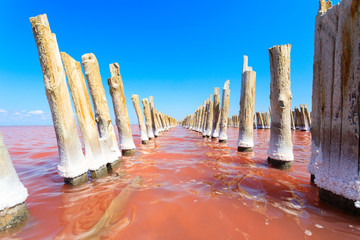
point(247, 107)
point(121, 114)
point(280, 150)
point(13, 210)
point(224, 112)
point(292, 120)
point(72, 164)
point(305, 125)
point(216, 113)
point(80, 96)
point(259, 121)
point(335, 161)
point(108, 142)
point(210, 118)
point(308, 117)
point(142, 127)
point(148, 119)
point(153, 117)
point(203, 119)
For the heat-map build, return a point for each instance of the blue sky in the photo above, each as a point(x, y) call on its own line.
point(177, 51)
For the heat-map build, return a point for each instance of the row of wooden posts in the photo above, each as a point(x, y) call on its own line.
point(280, 148)
point(102, 152)
point(335, 125)
point(300, 119)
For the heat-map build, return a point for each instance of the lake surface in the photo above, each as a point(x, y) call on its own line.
point(192, 188)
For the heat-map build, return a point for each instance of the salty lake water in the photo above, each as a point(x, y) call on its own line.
point(193, 188)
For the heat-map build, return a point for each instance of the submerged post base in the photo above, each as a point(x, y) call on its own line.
point(312, 178)
point(144, 142)
point(245, 149)
point(338, 201)
point(128, 152)
point(279, 164)
point(13, 218)
point(102, 171)
point(83, 178)
point(113, 165)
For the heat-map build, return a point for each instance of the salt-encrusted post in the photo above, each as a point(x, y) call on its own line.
point(147, 113)
point(142, 127)
point(307, 114)
point(304, 119)
point(280, 150)
point(121, 114)
point(108, 142)
point(292, 120)
point(216, 113)
point(13, 210)
point(335, 105)
point(72, 164)
point(209, 124)
point(224, 112)
point(247, 107)
point(80, 96)
point(259, 121)
point(155, 124)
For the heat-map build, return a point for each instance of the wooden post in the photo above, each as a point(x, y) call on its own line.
point(224, 112)
point(142, 127)
point(80, 96)
point(147, 113)
point(280, 150)
point(335, 161)
point(13, 210)
point(72, 164)
point(247, 107)
point(108, 142)
point(121, 114)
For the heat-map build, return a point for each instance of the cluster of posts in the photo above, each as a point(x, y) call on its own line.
point(102, 152)
point(211, 119)
point(335, 125)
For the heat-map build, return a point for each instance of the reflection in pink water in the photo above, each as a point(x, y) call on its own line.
point(193, 188)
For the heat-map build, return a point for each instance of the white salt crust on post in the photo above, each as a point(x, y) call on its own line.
point(12, 191)
point(335, 114)
point(280, 144)
point(121, 114)
point(108, 142)
point(72, 161)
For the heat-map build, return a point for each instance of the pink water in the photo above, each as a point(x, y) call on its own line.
point(193, 188)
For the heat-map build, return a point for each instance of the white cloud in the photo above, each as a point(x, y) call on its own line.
point(36, 112)
point(3, 111)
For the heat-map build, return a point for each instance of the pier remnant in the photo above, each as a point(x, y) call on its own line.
point(335, 125)
point(121, 114)
point(216, 113)
point(224, 112)
point(72, 166)
point(247, 107)
point(142, 127)
point(13, 210)
point(93, 154)
point(280, 151)
point(148, 120)
point(108, 142)
point(155, 123)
